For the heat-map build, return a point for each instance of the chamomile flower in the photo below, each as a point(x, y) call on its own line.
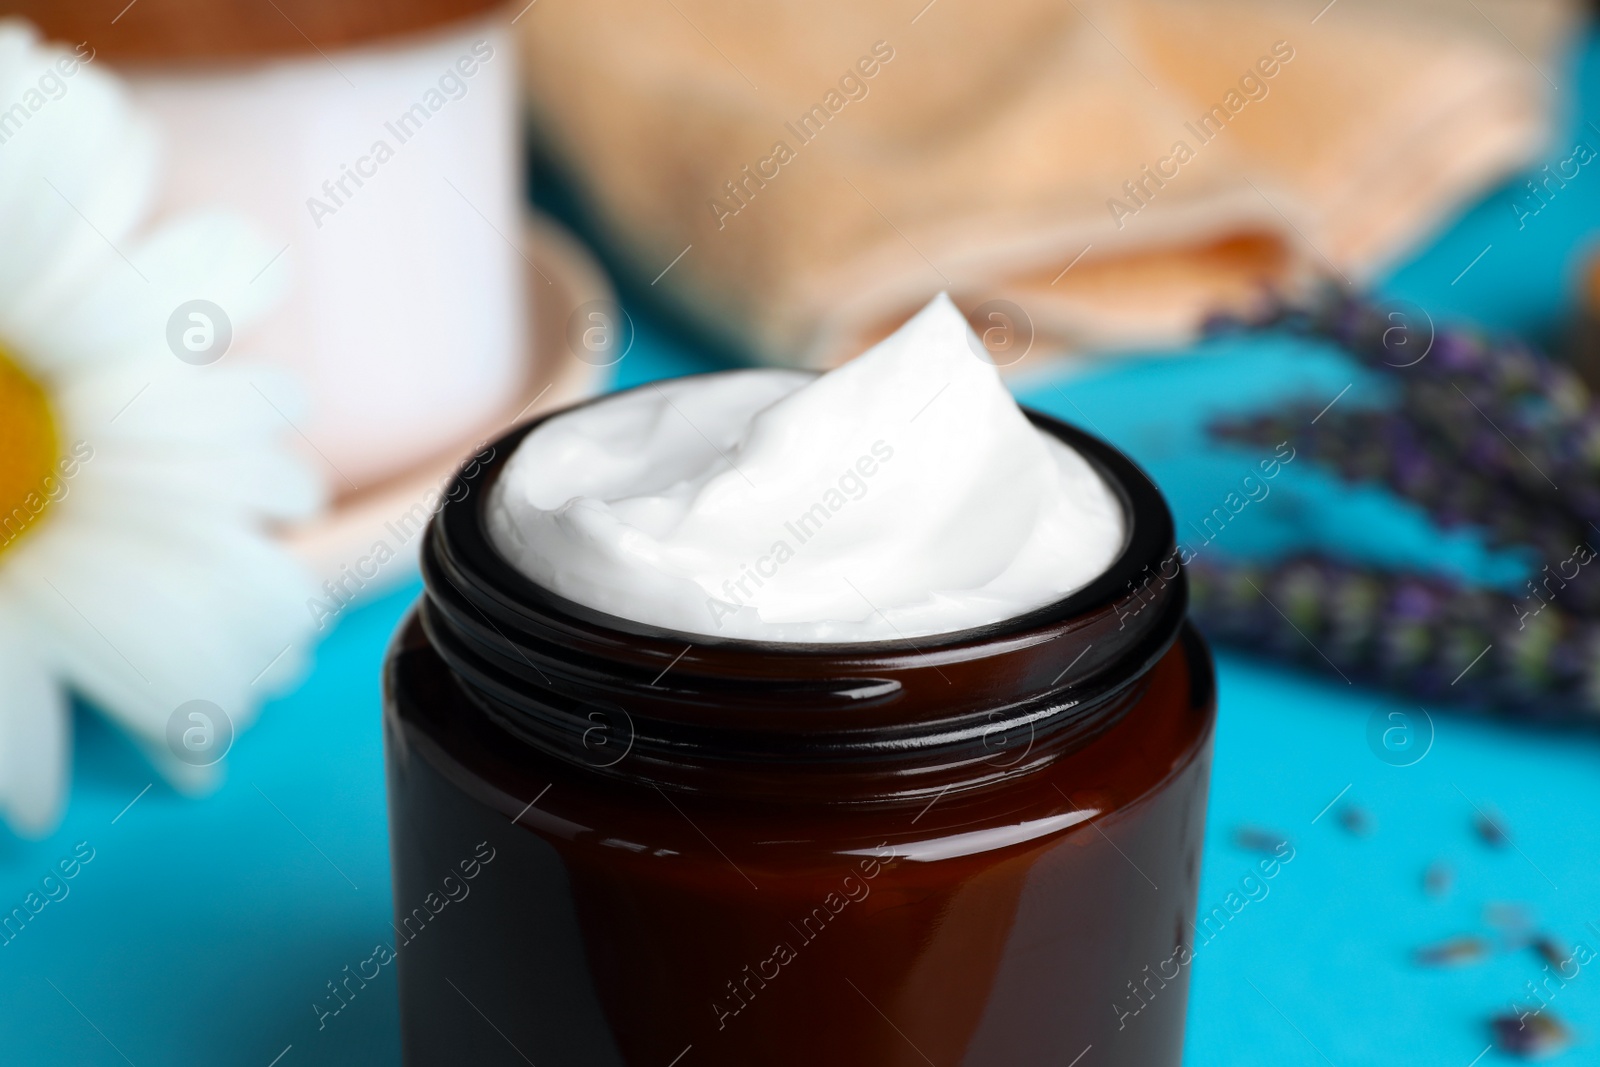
point(136, 569)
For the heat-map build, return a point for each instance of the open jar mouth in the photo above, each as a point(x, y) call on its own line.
point(885, 722)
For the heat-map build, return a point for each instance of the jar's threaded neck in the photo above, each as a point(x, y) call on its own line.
point(875, 722)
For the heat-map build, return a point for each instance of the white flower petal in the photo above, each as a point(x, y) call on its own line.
point(77, 172)
point(122, 312)
point(174, 402)
point(205, 437)
point(34, 723)
point(146, 619)
point(239, 482)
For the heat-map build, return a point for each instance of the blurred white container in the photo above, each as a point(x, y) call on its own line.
point(377, 145)
point(390, 174)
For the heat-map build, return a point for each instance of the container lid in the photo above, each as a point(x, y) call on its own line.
point(201, 31)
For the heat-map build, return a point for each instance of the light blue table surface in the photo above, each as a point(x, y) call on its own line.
point(202, 931)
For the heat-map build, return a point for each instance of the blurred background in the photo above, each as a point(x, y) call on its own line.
point(275, 269)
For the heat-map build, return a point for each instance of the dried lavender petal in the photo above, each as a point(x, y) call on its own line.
point(1455, 952)
point(1508, 916)
point(1550, 951)
point(1256, 839)
point(1355, 820)
point(1491, 830)
point(1533, 1035)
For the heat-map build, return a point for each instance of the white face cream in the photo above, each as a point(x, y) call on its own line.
point(902, 495)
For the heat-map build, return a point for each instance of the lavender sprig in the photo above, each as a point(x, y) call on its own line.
point(1483, 432)
point(1429, 637)
point(1513, 414)
point(1384, 447)
point(1394, 339)
point(1557, 461)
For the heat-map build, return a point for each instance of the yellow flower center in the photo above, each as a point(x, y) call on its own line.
point(28, 451)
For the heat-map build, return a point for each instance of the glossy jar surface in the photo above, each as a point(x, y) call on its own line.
point(616, 845)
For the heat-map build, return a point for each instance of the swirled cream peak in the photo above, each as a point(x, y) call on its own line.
point(902, 495)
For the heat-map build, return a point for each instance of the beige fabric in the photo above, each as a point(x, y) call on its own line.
point(986, 153)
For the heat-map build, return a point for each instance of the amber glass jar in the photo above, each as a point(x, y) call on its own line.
point(615, 844)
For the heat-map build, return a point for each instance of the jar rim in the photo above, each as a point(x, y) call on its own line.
point(696, 707)
point(1148, 535)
